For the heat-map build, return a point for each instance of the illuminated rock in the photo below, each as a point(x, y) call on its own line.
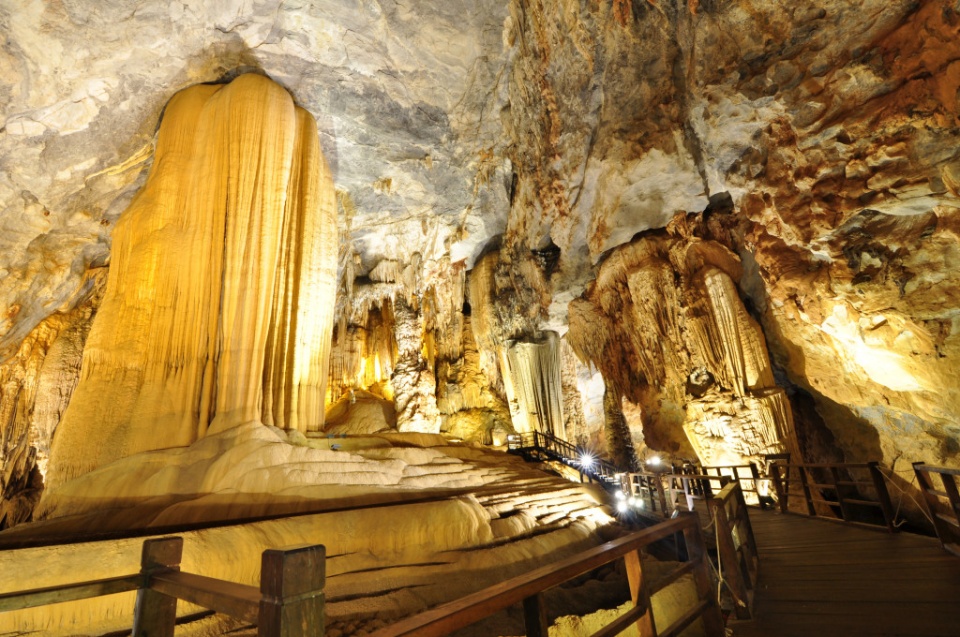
point(218, 306)
point(665, 325)
point(534, 369)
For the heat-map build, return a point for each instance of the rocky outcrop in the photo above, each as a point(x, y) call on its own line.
point(664, 324)
point(218, 307)
point(808, 123)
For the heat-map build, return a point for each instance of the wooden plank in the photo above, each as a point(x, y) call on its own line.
point(948, 519)
point(68, 592)
point(869, 503)
point(831, 579)
point(869, 609)
point(236, 600)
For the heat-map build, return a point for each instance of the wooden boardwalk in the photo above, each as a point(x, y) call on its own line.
point(826, 579)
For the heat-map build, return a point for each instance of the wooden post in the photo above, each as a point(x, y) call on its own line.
point(804, 482)
point(640, 594)
point(535, 616)
point(835, 477)
point(712, 618)
point(658, 481)
point(883, 495)
point(746, 531)
point(155, 614)
point(930, 499)
point(778, 486)
point(729, 560)
point(291, 588)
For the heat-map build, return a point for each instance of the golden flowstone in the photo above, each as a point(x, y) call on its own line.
point(219, 303)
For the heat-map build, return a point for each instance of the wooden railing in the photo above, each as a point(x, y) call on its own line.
point(830, 492)
point(748, 475)
point(687, 488)
point(568, 453)
point(647, 488)
point(947, 525)
point(665, 493)
point(528, 589)
point(737, 548)
point(289, 602)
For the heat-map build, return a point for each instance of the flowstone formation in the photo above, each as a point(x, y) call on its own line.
point(218, 307)
point(665, 325)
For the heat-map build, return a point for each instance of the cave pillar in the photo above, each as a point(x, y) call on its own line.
point(414, 383)
point(619, 440)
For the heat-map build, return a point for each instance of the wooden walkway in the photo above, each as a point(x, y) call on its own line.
point(828, 579)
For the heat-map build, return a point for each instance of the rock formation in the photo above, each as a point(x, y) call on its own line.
point(742, 216)
point(218, 306)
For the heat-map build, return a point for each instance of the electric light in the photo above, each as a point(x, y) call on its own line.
point(620, 495)
point(655, 461)
point(622, 507)
point(632, 502)
point(586, 461)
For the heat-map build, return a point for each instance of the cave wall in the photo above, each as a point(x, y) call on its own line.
point(506, 155)
point(826, 130)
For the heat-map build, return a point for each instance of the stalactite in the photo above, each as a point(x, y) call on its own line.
point(364, 350)
point(534, 369)
point(221, 289)
point(483, 316)
point(469, 407)
point(665, 325)
point(619, 440)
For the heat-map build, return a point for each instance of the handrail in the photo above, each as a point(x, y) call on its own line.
point(737, 547)
point(653, 489)
point(749, 483)
point(566, 452)
point(529, 588)
point(947, 525)
point(288, 603)
point(68, 592)
point(649, 489)
point(815, 493)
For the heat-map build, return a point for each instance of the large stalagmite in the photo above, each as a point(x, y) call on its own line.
point(219, 304)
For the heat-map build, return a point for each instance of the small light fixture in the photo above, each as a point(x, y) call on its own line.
point(654, 461)
point(620, 495)
point(622, 506)
point(586, 461)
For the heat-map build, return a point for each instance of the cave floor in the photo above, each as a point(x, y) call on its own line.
point(827, 579)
